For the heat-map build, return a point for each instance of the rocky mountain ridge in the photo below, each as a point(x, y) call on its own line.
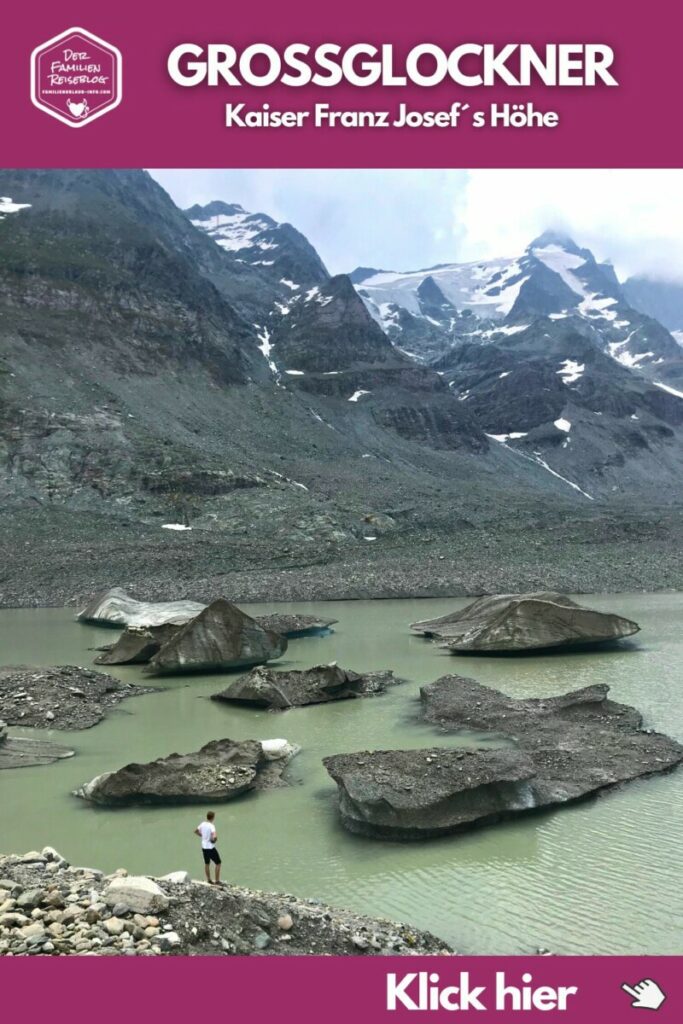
point(163, 375)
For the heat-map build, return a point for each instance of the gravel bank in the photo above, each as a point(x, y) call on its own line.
point(63, 559)
point(50, 908)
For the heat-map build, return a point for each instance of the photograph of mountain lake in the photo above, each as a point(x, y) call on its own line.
point(340, 609)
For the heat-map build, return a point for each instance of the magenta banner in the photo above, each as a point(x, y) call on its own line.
point(571, 989)
point(270, 85)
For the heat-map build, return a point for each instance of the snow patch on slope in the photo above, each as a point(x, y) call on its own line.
point(571, 371)
point(7, 206)
point(667, 387)
point(237, 231)
point(562, 263)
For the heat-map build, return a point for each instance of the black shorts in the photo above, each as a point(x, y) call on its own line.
point(211, 855)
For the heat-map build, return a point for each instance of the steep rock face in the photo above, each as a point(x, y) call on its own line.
point(130, 388)
point(419, 794)
point(328, 329)
point(264, 687)
point(110, 308)
point(221, 637)
point(221, 770)
point(524, 622)
point(331, 346)
point(549, 393)
point(128, 262)
point(579, 742)
point(266, 263)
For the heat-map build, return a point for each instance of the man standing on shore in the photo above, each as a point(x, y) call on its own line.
point(207, 833)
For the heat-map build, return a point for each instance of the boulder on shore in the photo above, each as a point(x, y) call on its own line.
point(221, 770)
point(221, 637)
point(524, 622)
point(22, 752)
point(141, 895)
point(116, 608)
point(566, 747)
point(60, 696)
point(266, 687)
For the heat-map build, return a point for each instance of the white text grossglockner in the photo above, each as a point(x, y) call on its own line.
point(363, 64)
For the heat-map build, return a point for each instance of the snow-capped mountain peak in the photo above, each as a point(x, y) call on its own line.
point(427, 312)
point(233, 228)
point(488, 288)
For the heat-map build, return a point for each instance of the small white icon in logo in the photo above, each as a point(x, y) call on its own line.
point(78, 109)
point(646, 995)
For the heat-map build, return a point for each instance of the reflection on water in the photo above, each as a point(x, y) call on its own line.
point(597, 877)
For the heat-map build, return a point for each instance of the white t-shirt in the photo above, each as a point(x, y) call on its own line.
point(206, 831)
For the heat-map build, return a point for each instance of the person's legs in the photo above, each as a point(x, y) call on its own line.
point(207, 865)
point(217, 862)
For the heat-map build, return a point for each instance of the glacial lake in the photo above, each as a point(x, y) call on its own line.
point(603, 876)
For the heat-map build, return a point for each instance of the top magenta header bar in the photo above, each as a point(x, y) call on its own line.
point(352, 85)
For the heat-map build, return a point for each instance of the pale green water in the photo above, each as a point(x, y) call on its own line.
point(600, 877)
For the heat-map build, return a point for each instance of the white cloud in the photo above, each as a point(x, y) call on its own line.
point(410, 219)
point(633, 217)
point(393, 220)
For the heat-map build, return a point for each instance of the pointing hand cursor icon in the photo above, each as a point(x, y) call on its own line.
point(646, 995)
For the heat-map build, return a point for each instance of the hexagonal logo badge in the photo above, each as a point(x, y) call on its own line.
point(76, 77)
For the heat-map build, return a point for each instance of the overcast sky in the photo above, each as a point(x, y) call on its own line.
point(409, 220)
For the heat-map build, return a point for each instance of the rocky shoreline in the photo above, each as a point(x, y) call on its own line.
point(57, 559)
point(49, 908)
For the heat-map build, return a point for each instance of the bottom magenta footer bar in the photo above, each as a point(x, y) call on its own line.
point(340, 990)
